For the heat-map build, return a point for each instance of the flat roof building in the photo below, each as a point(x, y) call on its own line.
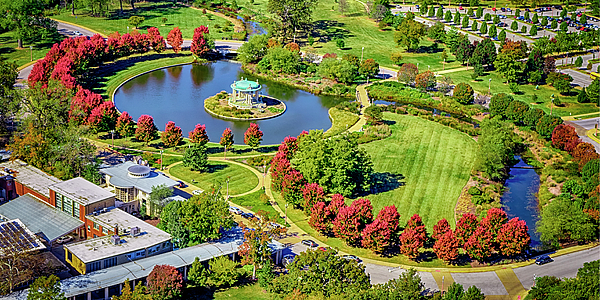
point(18, 178)
point(126, 238)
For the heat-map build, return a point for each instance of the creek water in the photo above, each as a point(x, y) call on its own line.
point(519, 199)
point(177, 94)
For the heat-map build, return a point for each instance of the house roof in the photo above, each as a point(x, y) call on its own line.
point(102, 247)
point(245, 85)
point(39, 217)
point(29, 176)
point(81, 191)
point(120, 176)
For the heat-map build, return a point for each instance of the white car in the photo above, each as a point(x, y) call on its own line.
point(77, 33)
point(197, 192)
point(64, 239)
point(235, 210)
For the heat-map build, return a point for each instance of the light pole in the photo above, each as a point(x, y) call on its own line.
point(443, 285)
point(31, 48)
point(127, 29)
point(362, 52)
point(534, 279)
point(444, 65)
point(551, 103)
point(286, 219)
point(490, 86)
point(227, 187)
point(417, 67)
point(161, 159)
point(112, 137)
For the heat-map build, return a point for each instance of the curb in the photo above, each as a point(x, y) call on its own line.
point(590, 134)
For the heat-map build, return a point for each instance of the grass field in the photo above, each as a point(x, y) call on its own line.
point(185, 17)
point(254, 203)
point(569, 106)
point(240, 291)
point(359, 31)
point(10, 53)
point(433, 161)
point(341, 121)
point(241, 180)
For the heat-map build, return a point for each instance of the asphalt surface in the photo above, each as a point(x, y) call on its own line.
point(588, 123)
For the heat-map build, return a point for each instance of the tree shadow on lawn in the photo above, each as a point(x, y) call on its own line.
point(263, 149)
point(328, 30)
point(216, 168)
point(386, 181)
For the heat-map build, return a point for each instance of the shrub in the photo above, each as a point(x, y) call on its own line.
point(463, 93)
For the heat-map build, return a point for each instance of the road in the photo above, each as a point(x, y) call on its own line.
point(490, 283)
point(582, 126)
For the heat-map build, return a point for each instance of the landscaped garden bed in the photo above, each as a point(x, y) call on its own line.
point(218, 105)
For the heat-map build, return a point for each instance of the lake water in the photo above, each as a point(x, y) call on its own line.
point(177, 94)
point(519, 200)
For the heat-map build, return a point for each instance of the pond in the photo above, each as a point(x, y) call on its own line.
point(177, 94)
point(519, 199)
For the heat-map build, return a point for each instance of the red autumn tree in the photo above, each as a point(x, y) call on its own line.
point(583, 153)
point(565, 138)
point(416, 223)
point(312, 193)
point(337, 203)
point(175, 39)
point(465, 227)
point(253, 136)
point(291, 187)
point(40, 72)
point(376, 236)
point(199, 46)
point(446, 246)
point(319, 217)
point(82, 104)
point(390, 215)
point(440, 229)
point(125, 125)
point(493, 221)
point(479, 244)
point(172, 135)
point(513, 238)
point(411, 241)
point(293, 47)
point(347, 225)
point(425, 80)
point(280, 166)
point(157, 42)
point(164, 282)
point(364, 211)
point(103, 117)
point(226, 140)
point(199, 135)
point(407, 73)
point(63, 71)
point(146, 130)
point(288, 147)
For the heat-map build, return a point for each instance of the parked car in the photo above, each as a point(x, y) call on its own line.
point(309, 243)
point(181, 184)
point(235, 210)
point(322, 249)
point(77, 33)
point(287, 259)
point(502, 16)
point(501, 24)
point(247, 215)
point(64, 239)
point(460, 8)
point(351, 257)
point(197, 192)
point(544, 259)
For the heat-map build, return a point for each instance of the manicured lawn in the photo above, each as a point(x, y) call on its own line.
point(253, 202)
point(245, 291)
point(185, 17)
point(341, 121)
point(241, 180)
point(359, 31)
point(433, 163)
point(569, 103)
point(9, 51)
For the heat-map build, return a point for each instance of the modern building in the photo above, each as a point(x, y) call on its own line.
point(18, 178)
point(125, 238)
point(15, 237)
point(132, 183)
point(80, 198)
point(245, 94)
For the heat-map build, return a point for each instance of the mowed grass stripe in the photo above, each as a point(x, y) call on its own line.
point(436, 161)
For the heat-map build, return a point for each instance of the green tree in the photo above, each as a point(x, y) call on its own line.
point(46, 288)
point(440, 14)
point(170, 221)
point(524, 29)
point(337, 164)
point(158, 199)
point(479, 12)
point(514, 26)
point(563, 220)
point(500, 103)
point(224, 272)
point(136, 21)
point(465, 22)
point(508, 65)
point(502, 35)
point(204, 215)
point(455, 292)
point(578, 62)
point(339, 70)
point(139, 293)
point(340, 43)
point(533, 30)
point(282, 60)
point(492, 31)
point(292, 15)
point(26, 20)
point(437, 32)
point(198, 274)
point(457, 18)
point(487, 17)
point(546, 125)
point(369, 67)
point(196, 158)
point(484, 28)
point(554, 24)
point(593, 90)
point(474, 26)
point(9, 98)
point(495, 148)
point(253, 50)
point(373, 114)
point(409, 33)
point(431, 11)
point(564, 26)
point(463, 93)
point(322, 273)
point(535, 18)
point(473, 293)
point(448, 16)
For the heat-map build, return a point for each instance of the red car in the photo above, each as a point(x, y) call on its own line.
point(460, 8)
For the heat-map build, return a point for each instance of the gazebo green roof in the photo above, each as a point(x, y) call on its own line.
point(245, 85)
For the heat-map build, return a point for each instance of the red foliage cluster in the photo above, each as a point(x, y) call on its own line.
point(157, 42)
point(172, 135)
point(330, 55)
point(465, 227)
point(513, 238)
point(377, 236)
point(82, 104)
point(390, 215)
point(312, 193)
point(253, 136)
point(125, 124)
point(165, 282)
point(175, 39)
point(199, 45)
point(103, 117)
point(146, 130)
point(565, 138)
point(583, 153)
point(319, 217)
point(347, 225)
point(410, 242)
point(446, 246)
point(198, 135)
point(440, 229)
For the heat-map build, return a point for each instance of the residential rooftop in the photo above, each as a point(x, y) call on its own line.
point(129, 175)
point(29, 176)
point(82, 191)
point(102, 247)
point(39, 217)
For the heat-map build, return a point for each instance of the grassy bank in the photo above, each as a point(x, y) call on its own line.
point(10, 53)
point(186, 18)
point(241, 180)
point(255, 202)
point(341, 120)
point(431, 164)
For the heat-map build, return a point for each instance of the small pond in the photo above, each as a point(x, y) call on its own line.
point(519, 199)
point(177, 94)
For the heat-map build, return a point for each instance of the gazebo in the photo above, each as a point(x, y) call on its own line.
point(245, 94)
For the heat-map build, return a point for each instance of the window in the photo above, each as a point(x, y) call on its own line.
point(109, 262)
point(89, 228)
point(104, 230)
point(76, 210)
point(68, 205)
point(140, 253)
point(96, 226)
point(58, 199)
point(70, 256)
point(91, 267)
